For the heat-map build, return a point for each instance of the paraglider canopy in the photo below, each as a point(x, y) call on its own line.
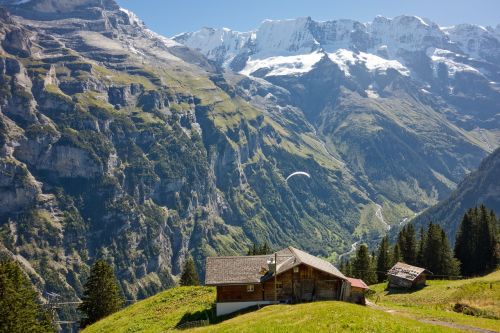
point(298, 173)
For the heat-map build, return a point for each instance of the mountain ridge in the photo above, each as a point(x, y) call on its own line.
point(120, 143)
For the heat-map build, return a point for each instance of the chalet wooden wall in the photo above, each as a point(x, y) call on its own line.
point(239, 293)
point(305, 285)
point(398, 282)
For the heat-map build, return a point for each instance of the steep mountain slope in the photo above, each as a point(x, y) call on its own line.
point(119, 143)
point(481, 186)
point(409, 106)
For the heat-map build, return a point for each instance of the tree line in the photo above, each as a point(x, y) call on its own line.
point(259, 249)
point(476, 251)
point(21, 309)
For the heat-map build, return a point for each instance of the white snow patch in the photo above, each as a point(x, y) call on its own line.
point(372, 93)
point(283, 65)
point(442, 56)
point(164, 40)
point(345, 58)
point(421, 21)
point(284, 38)
point(133, 19)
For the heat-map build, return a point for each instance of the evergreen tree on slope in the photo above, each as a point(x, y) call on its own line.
point(383, 259)
point(20, 309)
point(101, 296)
point(362, 266)
point(189, 276)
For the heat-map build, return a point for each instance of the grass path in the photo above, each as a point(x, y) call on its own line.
point(435, 303)
point(430, 321)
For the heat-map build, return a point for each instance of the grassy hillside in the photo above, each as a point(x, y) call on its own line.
point(320, 317)
point(166, 310)
point(480, 297)
point(160, 312)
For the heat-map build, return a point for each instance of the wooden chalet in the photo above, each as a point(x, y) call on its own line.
point(247, 281)
point(404, 276)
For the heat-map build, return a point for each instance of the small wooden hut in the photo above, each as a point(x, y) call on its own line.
point(358, 291)
point(404, 276)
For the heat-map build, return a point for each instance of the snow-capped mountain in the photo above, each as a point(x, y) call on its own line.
point(388, 94)
point(289, 47)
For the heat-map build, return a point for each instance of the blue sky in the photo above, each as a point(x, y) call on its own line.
point(170, 17)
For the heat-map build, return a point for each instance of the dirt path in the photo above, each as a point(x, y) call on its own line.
point(431, 321)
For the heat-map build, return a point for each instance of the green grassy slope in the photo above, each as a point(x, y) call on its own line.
point(437, 300)
point(159, 313)
point(166, 310)
point(320, 317)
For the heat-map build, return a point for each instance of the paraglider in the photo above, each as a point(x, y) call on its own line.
point(298, 173)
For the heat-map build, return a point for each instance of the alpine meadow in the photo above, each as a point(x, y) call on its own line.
point(304, 175)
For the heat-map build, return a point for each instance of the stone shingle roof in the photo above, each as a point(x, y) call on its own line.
point(235, 270)
point(315, 262)
point(405, 271)
point(252, 269)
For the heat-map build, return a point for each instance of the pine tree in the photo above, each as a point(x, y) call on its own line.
point(346, 267)
point(396, 254)
point(383, 259)
point(20, 309)
point(421, 261)
point(464, 245)
point(407, 241)
point(259, 249)
point(265, 249)
point(437, 252)
point(476, 243)
point(362, 266)
point(101, 296)
point(189, 276)
point(253, 250)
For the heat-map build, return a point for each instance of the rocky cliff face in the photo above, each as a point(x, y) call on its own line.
point(120, 143)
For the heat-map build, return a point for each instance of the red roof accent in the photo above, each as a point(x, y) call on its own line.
point(357, 283)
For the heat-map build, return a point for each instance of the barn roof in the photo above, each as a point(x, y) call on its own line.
point(358, 283)
point(234, 270)
point(253, 269)
point(315, 262)
point(405, 271)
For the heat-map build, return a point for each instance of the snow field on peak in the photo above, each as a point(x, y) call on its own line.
point(345, 58)
point(443, 56)
point(284, 65)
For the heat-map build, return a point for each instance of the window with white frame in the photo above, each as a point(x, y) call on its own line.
point(250, 288)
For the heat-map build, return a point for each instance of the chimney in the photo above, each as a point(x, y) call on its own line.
point(271, 264)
